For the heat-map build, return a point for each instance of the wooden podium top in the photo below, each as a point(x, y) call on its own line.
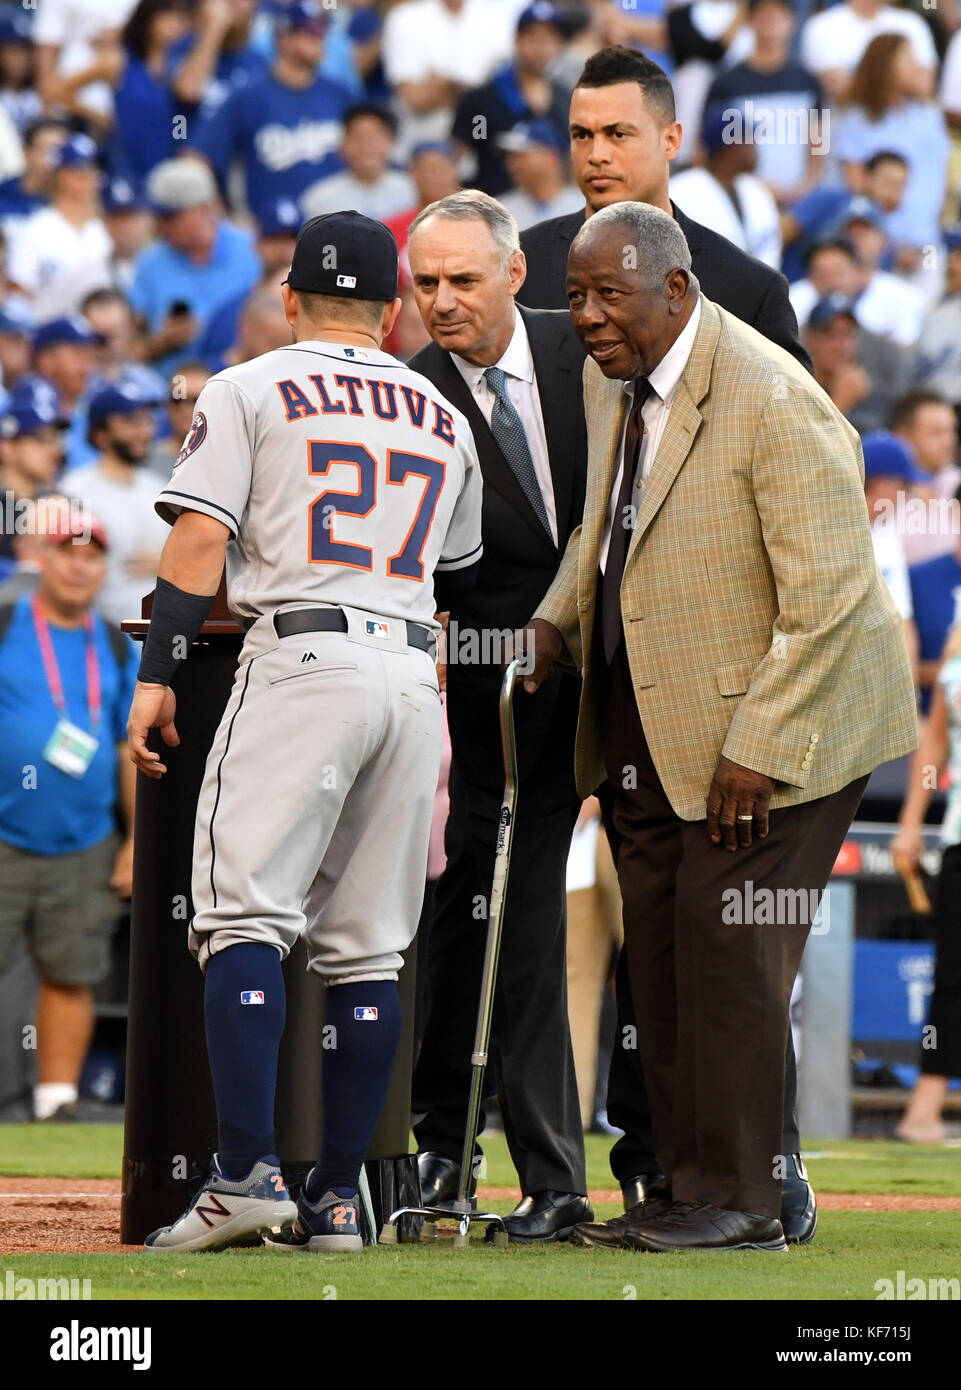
point(220, 621)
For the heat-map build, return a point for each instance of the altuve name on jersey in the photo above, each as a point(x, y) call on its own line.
point(354, 395)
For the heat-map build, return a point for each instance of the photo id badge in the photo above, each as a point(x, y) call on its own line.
point(70, 749)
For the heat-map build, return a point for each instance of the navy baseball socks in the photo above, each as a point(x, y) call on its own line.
point(366, 1020)
point(244, 1012)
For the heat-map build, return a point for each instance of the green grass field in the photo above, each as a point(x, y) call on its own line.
point(851, 1252)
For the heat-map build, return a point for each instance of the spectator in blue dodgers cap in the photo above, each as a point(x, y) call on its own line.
point(64, 363)
point(890, 474)
point(938, 365)
point(521, 91)
point(15, 335)
point(121, 492)
point(31, 189)
point(369, 183)
point(199, 262)
point(725, 193)
point(863, 373)
point(887, 304)
point(18, 77)
point(30, 452)
point(62, 252)
point(536, 155)
point(128, 218)
point(286, 125)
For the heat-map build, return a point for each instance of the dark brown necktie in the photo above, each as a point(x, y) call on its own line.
point(622, 526)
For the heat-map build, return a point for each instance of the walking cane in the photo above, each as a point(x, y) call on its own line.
point(461, 1208)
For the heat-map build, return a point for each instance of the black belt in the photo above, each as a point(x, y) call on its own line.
point(335, 620)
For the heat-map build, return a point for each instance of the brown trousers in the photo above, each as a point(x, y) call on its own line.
point(712, 987)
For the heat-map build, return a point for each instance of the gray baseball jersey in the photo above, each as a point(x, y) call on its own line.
point(344, 477)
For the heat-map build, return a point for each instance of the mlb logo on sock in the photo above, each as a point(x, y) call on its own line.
point(251, 996)
point(375, 629)
point(365, 1014)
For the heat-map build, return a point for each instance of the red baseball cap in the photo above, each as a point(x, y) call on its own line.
point(72, 528)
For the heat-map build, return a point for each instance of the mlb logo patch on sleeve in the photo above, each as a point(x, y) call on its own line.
point(251, 996)
point(365, 1014)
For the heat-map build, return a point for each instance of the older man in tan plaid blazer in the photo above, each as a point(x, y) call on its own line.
point(744, 671)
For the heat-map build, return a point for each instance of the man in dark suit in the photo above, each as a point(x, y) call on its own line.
point(516, 376)
point(623, 138)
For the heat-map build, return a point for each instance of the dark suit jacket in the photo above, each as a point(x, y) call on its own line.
point(743, 286)
point(519, 562)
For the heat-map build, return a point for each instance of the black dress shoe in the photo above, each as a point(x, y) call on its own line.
point(703, 1226)
point(645, 1185)
point(545, 1216)
point(799, 1212)
point(610, 1235)
point(439, 1179)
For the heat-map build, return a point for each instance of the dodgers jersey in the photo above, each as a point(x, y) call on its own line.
point(344, 477)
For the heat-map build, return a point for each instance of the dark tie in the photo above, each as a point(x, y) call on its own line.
point(623, 525)
point(508, 431)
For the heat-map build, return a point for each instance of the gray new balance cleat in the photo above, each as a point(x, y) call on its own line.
point(226, 1212)
point(330, 1224)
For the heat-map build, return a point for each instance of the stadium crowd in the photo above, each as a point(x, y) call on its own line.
point(156, 162)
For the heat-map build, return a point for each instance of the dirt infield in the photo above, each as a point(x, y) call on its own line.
point(53, 1215)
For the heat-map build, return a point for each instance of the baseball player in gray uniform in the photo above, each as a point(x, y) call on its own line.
point(344, 492)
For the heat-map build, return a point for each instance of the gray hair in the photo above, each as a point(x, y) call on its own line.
point(656, 241)
point(471, 205)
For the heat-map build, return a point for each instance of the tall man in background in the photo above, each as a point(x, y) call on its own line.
point(516, 377)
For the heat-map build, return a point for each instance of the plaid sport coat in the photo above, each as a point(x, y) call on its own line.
point(756, 621)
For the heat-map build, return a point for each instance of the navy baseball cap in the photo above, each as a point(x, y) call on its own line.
point(887, 456)
point(123, 193)
point(863, 210)
point(116, 398)
point(302, 14)
point(74, 329)
point(76, 152)
point(282, 217)
point(830, 307)
point(27, 415)
point(528, 135)
point(542, 12)
point(15, 27)
point(444, 147)
point(345, 254)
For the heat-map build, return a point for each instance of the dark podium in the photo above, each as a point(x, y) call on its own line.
point(170, 1120)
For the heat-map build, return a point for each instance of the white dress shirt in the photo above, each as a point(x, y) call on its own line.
point(654, 412)
point(517, 364)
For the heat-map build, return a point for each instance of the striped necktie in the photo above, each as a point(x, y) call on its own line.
point(508, 430)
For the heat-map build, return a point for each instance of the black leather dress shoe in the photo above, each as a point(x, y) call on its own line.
point(643, 1186)
point(703, 1226)
point(545, 1216)
point(799, 1212)
point(439, 1179)
point(610, 1235)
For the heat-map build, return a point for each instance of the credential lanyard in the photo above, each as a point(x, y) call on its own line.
point(52, 670)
